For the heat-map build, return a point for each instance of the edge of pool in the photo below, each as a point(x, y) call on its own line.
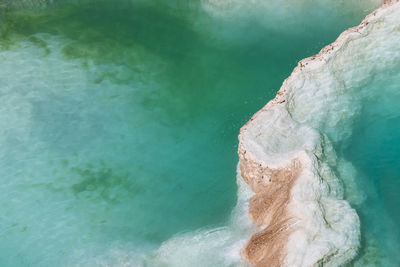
point(279, 178)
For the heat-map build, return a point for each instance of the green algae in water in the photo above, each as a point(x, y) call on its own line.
point(119, 120)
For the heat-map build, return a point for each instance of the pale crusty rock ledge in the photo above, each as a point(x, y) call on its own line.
point(286, 152)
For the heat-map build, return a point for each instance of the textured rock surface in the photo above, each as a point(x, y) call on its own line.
point(287, 153)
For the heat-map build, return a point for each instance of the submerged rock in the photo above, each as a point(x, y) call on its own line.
point(288, 149)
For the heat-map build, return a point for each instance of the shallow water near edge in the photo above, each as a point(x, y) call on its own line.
point(119, 119)
point(375, 152)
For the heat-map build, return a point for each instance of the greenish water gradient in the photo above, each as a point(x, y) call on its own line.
point(119, 119)
point(375, 152)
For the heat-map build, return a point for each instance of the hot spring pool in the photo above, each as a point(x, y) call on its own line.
point(119, 120)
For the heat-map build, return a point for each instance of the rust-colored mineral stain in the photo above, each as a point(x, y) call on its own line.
point(268, 207)
point(267, 248)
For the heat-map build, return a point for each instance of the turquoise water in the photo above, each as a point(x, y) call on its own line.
point(119, 119)
point(375, 152)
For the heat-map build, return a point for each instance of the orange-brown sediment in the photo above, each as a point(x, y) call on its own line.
point(268, 208)
point(272, 187)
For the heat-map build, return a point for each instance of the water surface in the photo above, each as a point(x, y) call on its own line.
point(119, 119)
point(375, 152)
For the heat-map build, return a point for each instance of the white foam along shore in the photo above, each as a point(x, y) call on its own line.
point(287, 156)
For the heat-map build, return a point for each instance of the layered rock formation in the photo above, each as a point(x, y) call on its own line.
point(287, 149)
